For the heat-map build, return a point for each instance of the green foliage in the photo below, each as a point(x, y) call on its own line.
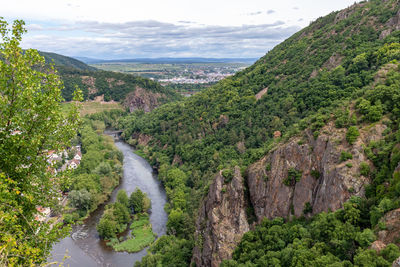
point(344, 156)
point(227, 174)
point(142, 235)
point(139, 202)
point(225, 125)
point(365, 169)
point(316, 174)
point(293, 177)
point(352, 134)
point(122, 198)
point(330, 239)
point(98, 173)
point(307, 208)
point(106, 228)
point(268, 167)
point(168, 250)
point(31, 123)
point(121, 84)
point(80, 199)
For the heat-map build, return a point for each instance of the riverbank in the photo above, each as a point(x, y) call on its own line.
point(136, 173)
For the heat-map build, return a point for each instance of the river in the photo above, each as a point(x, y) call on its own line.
point(84, 245)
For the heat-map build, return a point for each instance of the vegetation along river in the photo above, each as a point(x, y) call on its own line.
point(84, 245)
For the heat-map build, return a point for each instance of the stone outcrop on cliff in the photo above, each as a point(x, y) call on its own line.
point(141, 99)
point(324, 182)
point(222, 221)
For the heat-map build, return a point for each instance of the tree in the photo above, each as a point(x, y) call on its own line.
point(106, 228)
point(80, 199)
point(31, 123)
point(139, 202)
point(122, 198)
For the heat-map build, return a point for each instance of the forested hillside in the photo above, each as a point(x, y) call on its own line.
point(342, 70)
point(142, 93)
point(64, 61)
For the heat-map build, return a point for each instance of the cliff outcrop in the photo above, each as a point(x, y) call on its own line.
point(141, 99)
point(324, 181)
point(222, 221)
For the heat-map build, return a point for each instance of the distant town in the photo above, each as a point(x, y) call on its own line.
point(177, 73)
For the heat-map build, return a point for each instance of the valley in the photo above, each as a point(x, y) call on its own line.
point(291, 161)
point(185, 78)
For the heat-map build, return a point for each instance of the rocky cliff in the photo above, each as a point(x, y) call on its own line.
point(222, 221)
point(324, 182)
point(141, 99)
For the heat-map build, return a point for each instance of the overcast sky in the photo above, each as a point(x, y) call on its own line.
point(116, 29)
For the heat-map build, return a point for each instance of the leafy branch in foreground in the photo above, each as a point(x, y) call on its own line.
point(31, 124)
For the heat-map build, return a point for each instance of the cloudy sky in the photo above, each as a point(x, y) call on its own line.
point(116, 29)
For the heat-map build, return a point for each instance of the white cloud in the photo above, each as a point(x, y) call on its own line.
point(154, 28)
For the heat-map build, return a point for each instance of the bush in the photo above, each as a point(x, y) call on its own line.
point(139, 202)
point(307, 208)
point(364, 169)
point(293, 177)
point(316, 174)
point(344, 155)
point(106, 228)
point(228, 175)
point(352, 134)
point(122, 198)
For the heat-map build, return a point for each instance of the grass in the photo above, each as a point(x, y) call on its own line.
point(91, 107)
point(142, 235)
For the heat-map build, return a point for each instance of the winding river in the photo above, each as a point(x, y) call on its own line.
point(84, 247)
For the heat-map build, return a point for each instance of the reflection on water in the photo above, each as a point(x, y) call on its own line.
point(84, 246)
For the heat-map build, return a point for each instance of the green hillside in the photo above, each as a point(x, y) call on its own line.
point(303, 83)
point(64, 61)
point(94, 82)
point(113, 85)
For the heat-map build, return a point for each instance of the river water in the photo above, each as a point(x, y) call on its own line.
point(84, 246)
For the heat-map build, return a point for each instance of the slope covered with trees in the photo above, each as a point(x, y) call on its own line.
point(347, 58)
point(93, 82)
point(64, 61)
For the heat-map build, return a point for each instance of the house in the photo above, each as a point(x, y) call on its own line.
point(78, 156)
point(73, 164)
point(43, 213)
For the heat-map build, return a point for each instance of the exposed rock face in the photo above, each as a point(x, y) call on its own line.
point(261, 93)
point(141, 139)
point(141, 99)
point(222, 221)
point(325, 183)
point(90, 82)
point(392, 223)
point(393, 25)
point(334, 61)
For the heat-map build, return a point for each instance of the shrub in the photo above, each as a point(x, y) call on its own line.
point(352, 134)
point(307, 208)
point(293, 177)
point(316, 174)
point(344, 155)
point(228, 175)
point(364, 169)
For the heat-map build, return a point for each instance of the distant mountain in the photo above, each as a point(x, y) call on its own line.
point(89, 60)
point(64, 61)
point(169, 60)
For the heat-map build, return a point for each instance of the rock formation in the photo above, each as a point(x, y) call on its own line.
point(222, 221)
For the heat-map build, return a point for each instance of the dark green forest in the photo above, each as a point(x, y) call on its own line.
point(311, 77)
